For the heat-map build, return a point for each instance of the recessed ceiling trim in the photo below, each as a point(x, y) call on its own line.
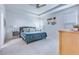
point(59, 9)
point(51, 9)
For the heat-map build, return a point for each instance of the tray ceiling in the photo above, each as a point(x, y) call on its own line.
point(32, 8)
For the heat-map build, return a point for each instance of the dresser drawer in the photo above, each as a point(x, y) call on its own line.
point(69, 43)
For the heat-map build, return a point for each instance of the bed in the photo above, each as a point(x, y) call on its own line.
point(30, 34)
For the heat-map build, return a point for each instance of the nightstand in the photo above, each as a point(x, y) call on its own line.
point(15, 34)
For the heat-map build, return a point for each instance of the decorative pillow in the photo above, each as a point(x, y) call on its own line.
point(32, 30)
point(26, 30)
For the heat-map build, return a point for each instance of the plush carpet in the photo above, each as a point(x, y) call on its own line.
point(47, 46)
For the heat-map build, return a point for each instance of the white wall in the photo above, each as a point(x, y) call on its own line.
point(52, 29)
point(65, 19)
point(0, 26)
point(2, 32)
point(14, 20)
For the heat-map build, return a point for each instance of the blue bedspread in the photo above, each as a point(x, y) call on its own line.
point(33, 36)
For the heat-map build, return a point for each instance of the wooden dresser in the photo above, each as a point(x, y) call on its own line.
point(69, 43)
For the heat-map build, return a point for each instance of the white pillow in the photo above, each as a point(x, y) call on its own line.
point(32, 30)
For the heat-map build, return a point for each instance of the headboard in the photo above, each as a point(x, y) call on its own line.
point(27, 29)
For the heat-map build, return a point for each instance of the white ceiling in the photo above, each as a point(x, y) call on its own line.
point(27, 8)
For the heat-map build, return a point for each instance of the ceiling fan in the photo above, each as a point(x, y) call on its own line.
point(38, 5)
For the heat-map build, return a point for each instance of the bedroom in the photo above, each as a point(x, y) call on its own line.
point(34, 18)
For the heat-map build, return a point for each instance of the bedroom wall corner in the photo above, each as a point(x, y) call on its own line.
point(63, 20)
point(2, 30)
